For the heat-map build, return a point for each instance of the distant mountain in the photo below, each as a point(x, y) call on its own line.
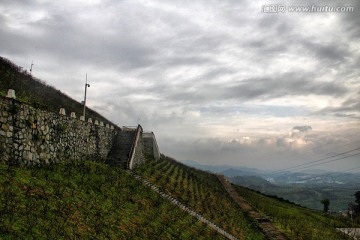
point(312, 176)
point(232, 172)
point(305, 188)
point(227, 170)
point(253, 182)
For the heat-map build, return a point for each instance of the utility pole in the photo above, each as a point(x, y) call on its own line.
point(32, 63)
point(86, 86)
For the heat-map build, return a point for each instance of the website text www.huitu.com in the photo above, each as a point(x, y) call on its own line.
point(282, 8)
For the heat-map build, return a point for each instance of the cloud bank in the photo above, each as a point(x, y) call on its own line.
point(217, 81)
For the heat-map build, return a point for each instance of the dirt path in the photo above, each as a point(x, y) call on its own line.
point(270, 231)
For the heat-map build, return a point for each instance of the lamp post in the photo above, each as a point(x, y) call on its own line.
point(86, 86)
point(32, 63)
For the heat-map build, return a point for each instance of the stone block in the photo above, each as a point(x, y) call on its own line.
point(11, 94)
point(5, 127)
point(62, 111)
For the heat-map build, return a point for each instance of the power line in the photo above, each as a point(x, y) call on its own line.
point(316, 164)
point(315, 161)
point(327, 174)
point(307, 154)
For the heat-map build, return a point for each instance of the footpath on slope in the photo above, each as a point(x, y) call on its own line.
point(183, 207)
point(270, 231)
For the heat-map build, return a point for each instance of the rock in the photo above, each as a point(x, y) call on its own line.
point(5, 126)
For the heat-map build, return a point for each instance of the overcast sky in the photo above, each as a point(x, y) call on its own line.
point(219, 82)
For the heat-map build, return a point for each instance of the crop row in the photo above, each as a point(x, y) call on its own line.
point(202, 192)
point(73, 200)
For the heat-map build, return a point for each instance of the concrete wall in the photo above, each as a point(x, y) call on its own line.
point(146, 148)
point(151, 148)
point(31, 136)
point(138, 154)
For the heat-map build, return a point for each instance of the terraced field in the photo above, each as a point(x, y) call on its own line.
point(295, 221)
point(201, 191)
point(86, 200)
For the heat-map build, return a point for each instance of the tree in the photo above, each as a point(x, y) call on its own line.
point(357, 200)
point(326, 203)
point(357, 197)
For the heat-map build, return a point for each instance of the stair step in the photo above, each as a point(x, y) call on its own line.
point(120, 151)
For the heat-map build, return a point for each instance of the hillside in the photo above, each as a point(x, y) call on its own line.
point(82, 199)
point(37, 93)
point(295, 221)
point(202, 191)
point(306, 189)
point(87, 200)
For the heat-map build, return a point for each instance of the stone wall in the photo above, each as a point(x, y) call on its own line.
point(31, 136)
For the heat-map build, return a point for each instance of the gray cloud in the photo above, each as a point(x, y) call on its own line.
point(302, 128)
point(333, 53)
point(293, 84)
point(349, 108)
point(351, 20)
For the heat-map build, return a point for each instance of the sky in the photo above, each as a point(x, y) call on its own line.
point(242, 83)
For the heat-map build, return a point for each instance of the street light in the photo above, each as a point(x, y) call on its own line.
point(32, 63)
point(86, 86)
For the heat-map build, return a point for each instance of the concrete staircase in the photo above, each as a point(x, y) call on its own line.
point(120, 151)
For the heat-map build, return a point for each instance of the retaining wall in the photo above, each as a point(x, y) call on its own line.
point(151, 148)
point(31, 136)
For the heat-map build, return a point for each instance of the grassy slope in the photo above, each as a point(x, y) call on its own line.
point(88, 200)
point(297, 222)
point(37, 93)
point(200, 191)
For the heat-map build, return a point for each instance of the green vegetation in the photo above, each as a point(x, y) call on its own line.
point(295, 221)
point(201, 191)
point(87, 200)
point(306, 194)
point(37, 93)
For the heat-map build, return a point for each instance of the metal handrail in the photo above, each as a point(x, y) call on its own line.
point(132, 151)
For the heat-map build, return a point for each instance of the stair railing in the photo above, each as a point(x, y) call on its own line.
point(133, 147)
